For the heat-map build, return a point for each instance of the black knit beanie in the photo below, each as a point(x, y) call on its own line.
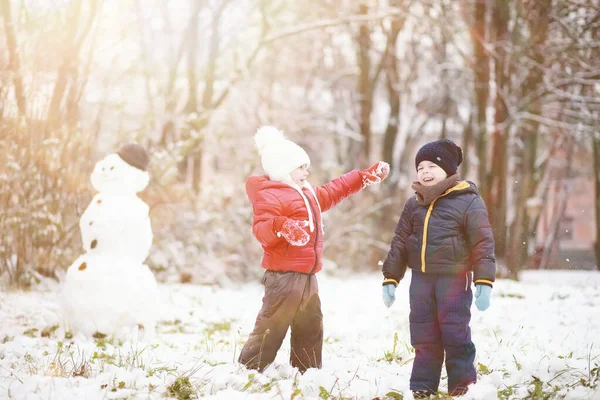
point(443, 152)
point(134, 155)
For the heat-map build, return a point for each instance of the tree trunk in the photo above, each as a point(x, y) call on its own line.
point(392, 80)
point(71, 54)
point(496, 194)
point(192, 103)
point(466, 145)
point(538, 18)
point(365, 90)
point(482, 82)
point(209, 81)
point(596, 164)
point(146, 59)
point(168, 129)
point(13, 56)
point(552, 236)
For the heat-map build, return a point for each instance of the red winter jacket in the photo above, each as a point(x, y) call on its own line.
point(274, 201)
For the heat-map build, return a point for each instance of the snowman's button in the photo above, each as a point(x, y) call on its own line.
point(91, 223)
point(93, 244)
point(99, 201)
point(82, 266)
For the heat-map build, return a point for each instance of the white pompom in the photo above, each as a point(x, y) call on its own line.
point(266, 135)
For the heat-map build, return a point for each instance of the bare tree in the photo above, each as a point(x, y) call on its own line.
point(13, 54)
point(481, 67)
point(497, 179)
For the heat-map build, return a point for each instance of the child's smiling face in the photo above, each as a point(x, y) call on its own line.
point(300, 174)
point(429, 173)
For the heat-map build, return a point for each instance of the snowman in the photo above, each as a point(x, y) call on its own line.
point(109, 289)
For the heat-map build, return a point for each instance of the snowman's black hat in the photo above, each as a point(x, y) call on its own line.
point(134, 155)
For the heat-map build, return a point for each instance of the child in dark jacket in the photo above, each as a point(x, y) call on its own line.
point(444, 236)
point(287, 223)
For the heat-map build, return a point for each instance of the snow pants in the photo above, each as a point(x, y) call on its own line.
point(440, 311)
point(291, 300)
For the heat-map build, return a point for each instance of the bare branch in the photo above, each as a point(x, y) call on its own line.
point(329, 23)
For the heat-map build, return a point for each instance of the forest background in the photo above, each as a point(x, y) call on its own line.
point(516, 83)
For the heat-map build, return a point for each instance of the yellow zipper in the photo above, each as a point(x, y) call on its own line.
point(459, 186)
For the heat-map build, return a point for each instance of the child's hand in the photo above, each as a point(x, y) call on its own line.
point(389, 294)
point(482, 297)
point(293, 232)
point(375, 173)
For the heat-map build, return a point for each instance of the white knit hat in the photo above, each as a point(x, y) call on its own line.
point(280, 157)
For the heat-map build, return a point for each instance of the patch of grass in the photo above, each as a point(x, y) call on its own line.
point(505, 394)
point(568, 356)
point(99, 335)
point(217, 327)
point(393, 395)
point(170, 323)
point(132, 360)
point(102, 356)
point(593, 378)
point(254, 386)
point(81, 365)
point(31, 332)
point(103, 340)
point(393, 355)
point(164, 368)
point(7, 339)
point(174, 326)
point(32, 368)
point(517, 364)
point(214, 363)
point(182, 389)
point(324, 394)
point(483, 369)
point(49, 331)
point(539, 392)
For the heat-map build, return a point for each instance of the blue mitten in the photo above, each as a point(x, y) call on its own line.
point(482, 297)
point(389, 294)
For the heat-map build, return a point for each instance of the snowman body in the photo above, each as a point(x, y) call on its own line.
point(109, 289)
point(117, 226)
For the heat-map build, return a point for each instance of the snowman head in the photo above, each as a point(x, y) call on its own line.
point(123, 172)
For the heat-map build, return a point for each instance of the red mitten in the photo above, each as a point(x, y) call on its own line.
point(293, 232)
point(375, 173)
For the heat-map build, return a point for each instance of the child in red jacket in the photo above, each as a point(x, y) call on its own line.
point(287, 223)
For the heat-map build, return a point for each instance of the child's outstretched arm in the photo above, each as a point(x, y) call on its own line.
point(330, 194)
point(481, 243)
point(394, 265)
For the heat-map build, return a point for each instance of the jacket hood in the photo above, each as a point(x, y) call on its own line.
point(464, 187)
point(255, 184)
point(472, 188)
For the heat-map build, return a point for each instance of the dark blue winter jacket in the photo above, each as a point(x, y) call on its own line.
point(451, 236)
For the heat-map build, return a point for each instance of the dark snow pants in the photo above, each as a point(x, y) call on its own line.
point(291, 299)
point(440, 311)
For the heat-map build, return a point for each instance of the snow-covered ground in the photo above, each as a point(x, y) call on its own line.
point(539, 339)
